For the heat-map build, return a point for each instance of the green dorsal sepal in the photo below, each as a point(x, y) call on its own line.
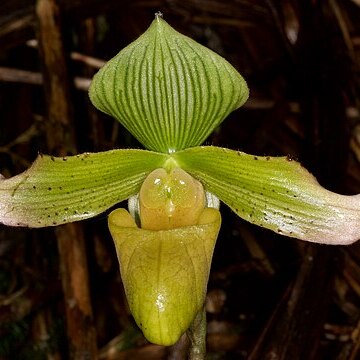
point(169, 91)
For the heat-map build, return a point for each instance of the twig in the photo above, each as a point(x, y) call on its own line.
point(35, 78)
point(86, 59)
point(295, 329)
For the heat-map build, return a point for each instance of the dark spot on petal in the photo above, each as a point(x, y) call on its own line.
point(49, 188)
point(255, 157)
point(34, 187)
point(268, 158)
point(64, 159)
point(52, 158)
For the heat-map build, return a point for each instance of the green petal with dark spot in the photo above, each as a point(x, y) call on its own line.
point(56, 190)
point(169, 91)
point(276, 193)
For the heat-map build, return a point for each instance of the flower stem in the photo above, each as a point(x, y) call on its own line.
point(197, 336)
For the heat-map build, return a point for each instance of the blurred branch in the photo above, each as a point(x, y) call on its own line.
point(85, 59)
point(294, 331)
point(81, 331)
point(35, 78)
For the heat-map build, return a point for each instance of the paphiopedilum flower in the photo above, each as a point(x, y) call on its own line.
point(171, 93)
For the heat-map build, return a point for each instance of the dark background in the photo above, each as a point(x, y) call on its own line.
point(270, 297)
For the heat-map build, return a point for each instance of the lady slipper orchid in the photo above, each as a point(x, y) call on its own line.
point(171, 93)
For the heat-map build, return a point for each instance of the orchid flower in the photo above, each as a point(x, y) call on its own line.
point(171, 93)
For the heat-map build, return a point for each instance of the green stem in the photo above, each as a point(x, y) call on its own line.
point(197, 336)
